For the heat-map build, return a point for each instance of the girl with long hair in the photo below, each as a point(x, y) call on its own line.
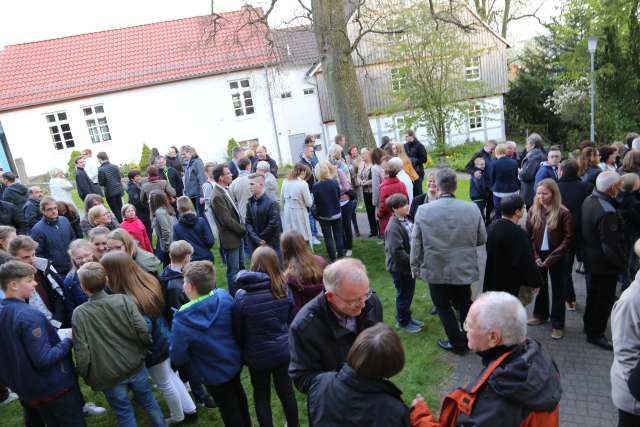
point(588, 162)
point(261, 319)
point(121, 240)
point(124, 276)
point(163, 217)
point(366, 183)
point(550, 228)
point(326, 202)
point(303, 271)
point(68, 210)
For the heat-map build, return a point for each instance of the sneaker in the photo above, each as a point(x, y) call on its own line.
point(417, 323)
point(535, 322)
point(172, 421)
point(91, 409)
point(10, 398)
point(556, 334)
point(315, 241)
point(571, 306)
point(349, 252)
point(409, 328)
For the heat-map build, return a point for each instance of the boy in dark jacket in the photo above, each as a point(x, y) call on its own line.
point(479, 186)
point(396, 249)
point(193, 229)
point(34, 362)
point(202, 336)
point(263, 221)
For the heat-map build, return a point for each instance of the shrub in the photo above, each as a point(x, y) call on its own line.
point(457, 156)
point(145, 157)
point(230, 146)
point(71, 164)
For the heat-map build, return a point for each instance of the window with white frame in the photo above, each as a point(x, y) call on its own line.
point(398, 78)
point(60, 130)
point(308, 91)
point(475, 116)
point(97, 123)
point(472, 68)
point(241, 97)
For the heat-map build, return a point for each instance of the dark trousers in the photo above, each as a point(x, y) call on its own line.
point(115, 203)
point(354, 215)
point(261, 382)
point(417, 186)
point(346, 212)
point(626, 419)
point(232, 402)
point(65, 410)
point(482, 205)
point(496, 207)
point(195, 385)
point(4, 393)
point(333, 233)
point(569, 291)
point(444, 298)
point(405, 287)
point(601, 292)
point(541, 308)
point(371, 213)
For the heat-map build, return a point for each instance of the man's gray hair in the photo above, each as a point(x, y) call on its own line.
point(535, 140)
point(336, 273)
point(501, 311)
point(511, 144)
point(446, 180)
point(396, 162)
point(635, 144)
point(606, 180)
point(334, 151)
point(263, 165)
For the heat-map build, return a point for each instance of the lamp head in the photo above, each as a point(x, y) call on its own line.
point(592, 44)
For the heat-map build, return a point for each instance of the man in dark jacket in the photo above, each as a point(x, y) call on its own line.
point(31, 210)
point(263, 217)
point(134, 190)
point(529, 167)
point(325, 328)
point(236, 154)
point(549, 169)
point(485, 152)
point(53, 233)
point(510, 260)
point(15, 193)
point(573, 191)
point(418, 156)
point(110, 179)
point(520, 381)
point(9, 216)
point(84, 185)
point(262, 155)
point(171, 175)
point(605, 255)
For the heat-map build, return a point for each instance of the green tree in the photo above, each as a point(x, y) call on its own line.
point(71, 164)
point(145, 157)
point(230, 146)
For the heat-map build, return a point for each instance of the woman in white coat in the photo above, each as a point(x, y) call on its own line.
point(60, 187)
point(296, 198)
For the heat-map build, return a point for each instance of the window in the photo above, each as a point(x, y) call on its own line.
point(475, 117)
point(241, 97)
point(97, 123)
point(398, 78)
point(308, 91)
point(285, 95)
point(247, 143)
point(60, 130)
point(472, 69)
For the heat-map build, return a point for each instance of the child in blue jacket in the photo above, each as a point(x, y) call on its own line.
point(193, 229)
point(202, 336)
point(479, 192)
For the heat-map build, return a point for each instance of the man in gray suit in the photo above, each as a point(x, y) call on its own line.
point(230, 227)
point(443, 253)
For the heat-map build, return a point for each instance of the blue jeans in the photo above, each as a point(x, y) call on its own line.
point(119, 400)
point(233, 259)
point(405, 287)
point(496, 207)
point(312, 223)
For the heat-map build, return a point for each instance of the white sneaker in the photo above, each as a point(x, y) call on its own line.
point(12, 396)
point(349, 252)
point(315, 241)
point(90, 409)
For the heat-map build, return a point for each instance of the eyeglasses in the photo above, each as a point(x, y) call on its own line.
point(356, 302)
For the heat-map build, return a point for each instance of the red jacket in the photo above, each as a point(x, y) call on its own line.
point(136, 228)
point(388, 187)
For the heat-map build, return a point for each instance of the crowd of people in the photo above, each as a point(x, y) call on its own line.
point(96, 286)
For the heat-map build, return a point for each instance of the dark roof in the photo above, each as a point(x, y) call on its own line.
point(296, 45)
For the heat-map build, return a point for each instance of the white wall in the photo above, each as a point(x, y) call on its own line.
point(198, 112)
point(493, 126)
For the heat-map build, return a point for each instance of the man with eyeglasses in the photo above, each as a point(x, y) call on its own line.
point(325, 328)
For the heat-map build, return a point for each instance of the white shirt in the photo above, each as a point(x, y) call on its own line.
point(404, 178)
point(91, 168)
point(545, 239)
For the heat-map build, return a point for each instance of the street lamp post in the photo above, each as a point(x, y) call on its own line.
point(592, 44)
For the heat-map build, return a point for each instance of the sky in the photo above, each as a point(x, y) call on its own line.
point(31, 20)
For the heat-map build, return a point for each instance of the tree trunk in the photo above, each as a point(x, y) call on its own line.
point(330, 28)
point(505, 18)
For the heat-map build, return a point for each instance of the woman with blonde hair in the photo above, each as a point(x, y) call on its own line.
point(99, 215)
point(303, 269)
point(365, 177)
point(126, 277)
point(121, 240)
point(326, 208)
point(60, 187)
point(261, 318)
point(406, 161)
point(550, 228)
point(296, 199)
point(90, 201)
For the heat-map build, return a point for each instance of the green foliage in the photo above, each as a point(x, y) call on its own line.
point(145, 157)
point(457, 156)
point(230, 146)
point(71, 164)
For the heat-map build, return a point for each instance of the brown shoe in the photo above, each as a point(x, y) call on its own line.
point(557, 334)
point(535, 322)
point(571, 306)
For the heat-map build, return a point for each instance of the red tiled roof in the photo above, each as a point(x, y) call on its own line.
point(114, 60)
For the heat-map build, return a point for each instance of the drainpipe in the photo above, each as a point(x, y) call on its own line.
point(273, 117)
